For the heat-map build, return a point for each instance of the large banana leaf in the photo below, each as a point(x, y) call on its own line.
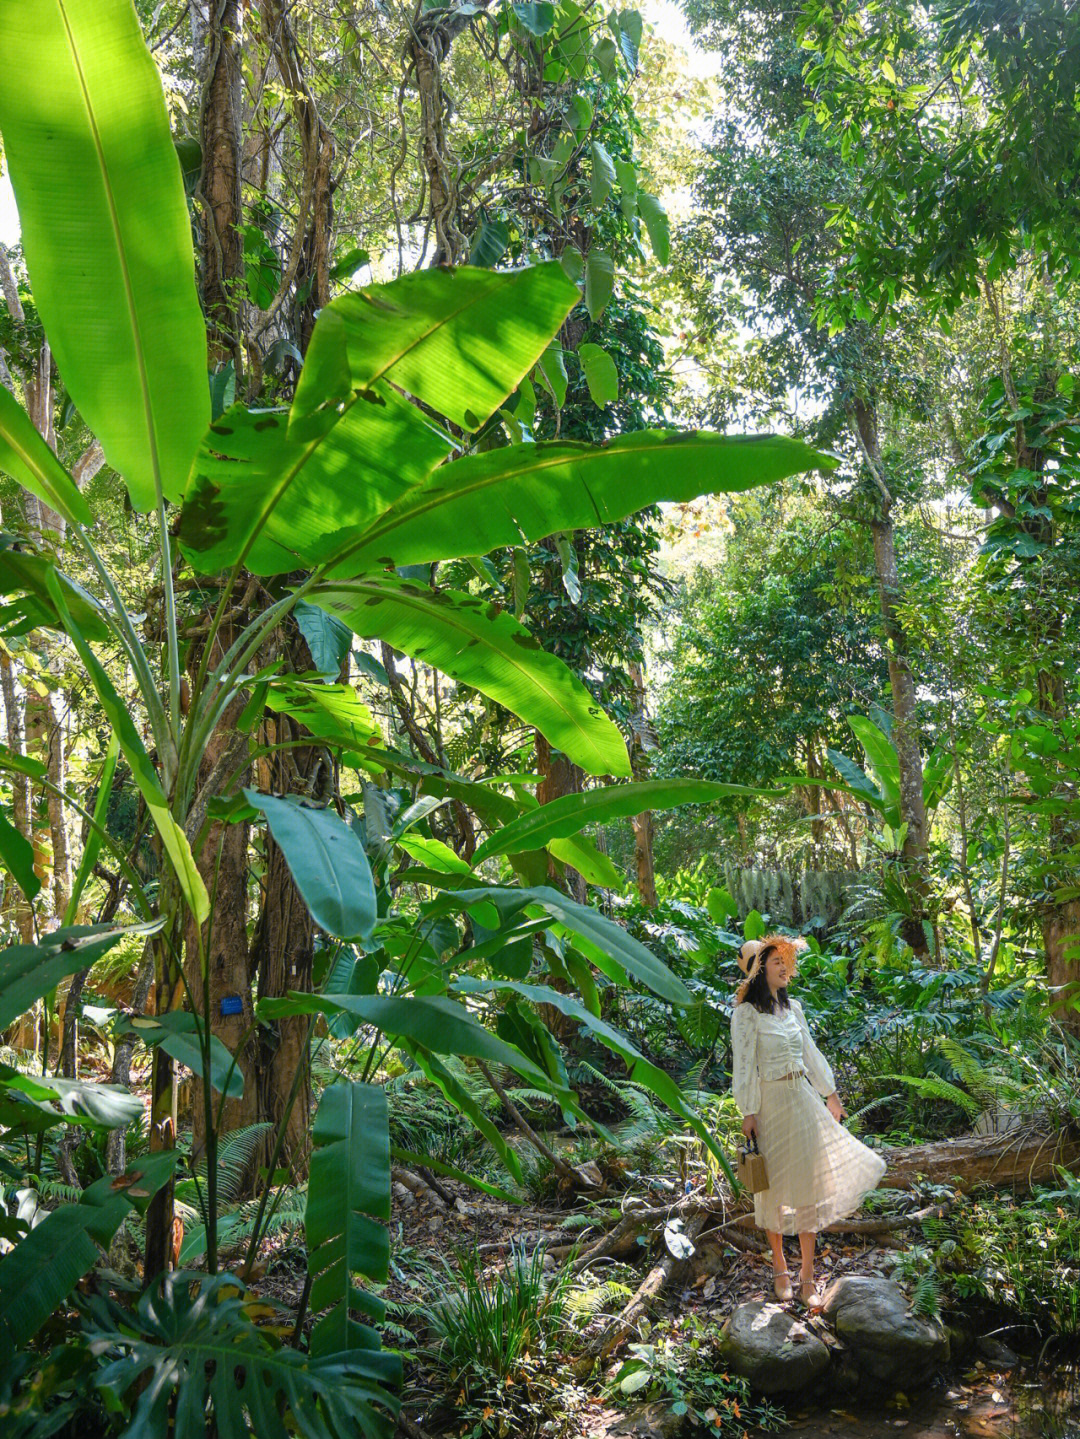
point(641, 1070)
point(500, 497)
point(333, 713)
point(278, 503)
point(189, 1358)
point(459, 340)
point(17, 854)
point(438, 1024)
point(572, 812)
point(477, 644)
point(29, 572)
point(28, 971)
point(881, 753)
point(327, 861)
point(27, 458)
point(173, 839)
point(616, 953)
point(106, 232)
point(348, 1204)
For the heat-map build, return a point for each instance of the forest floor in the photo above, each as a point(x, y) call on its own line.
point(977, 1401)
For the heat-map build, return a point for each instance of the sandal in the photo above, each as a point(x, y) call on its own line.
point(782, 1286)
point(807, 1290)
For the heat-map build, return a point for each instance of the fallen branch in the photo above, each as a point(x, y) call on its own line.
point(651, 1286)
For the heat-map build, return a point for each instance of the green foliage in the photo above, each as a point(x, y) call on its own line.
point(488, 1322)
point(682, 1365)
point(190, 1350)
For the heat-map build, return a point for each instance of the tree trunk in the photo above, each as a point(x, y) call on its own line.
point(559, 776)
point(644, 827)
point(905, 734)
point(15, 737)
point(220, 134)
point(1018, 1159)
point(1061, 936)
point(283, 945)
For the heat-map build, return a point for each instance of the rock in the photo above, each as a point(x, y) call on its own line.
point(772, 1348)
point(997, 1353)
point(648, 1421)
point(890, 1346)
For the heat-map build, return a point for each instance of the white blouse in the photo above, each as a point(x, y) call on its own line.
point(770, 1046)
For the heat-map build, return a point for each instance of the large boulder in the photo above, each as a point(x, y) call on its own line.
point(772, 1348)
point(890, 1346)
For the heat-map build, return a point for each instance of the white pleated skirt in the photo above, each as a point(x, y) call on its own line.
point(817, 1171)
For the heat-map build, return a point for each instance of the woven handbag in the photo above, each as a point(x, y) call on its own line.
point(751, 1167)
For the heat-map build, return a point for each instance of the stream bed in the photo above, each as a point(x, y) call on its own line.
point(982, 1404)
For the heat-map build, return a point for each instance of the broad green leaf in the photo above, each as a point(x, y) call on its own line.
point(640, 1070)
point(327, 861)
point(177, 1033)
point(536, 16)
point(433, 853)
point(459, 340)
point(173, 839)
point(327, 640)
point(81, 1101)
point(277, 503)
point(17, 854)
point(40, 1272)
point(883, 758)
point(856, 779)
point(189, 1357)
point(601, 376)
point(490, 244)
point(475, 643)
point(603, 174)
point(526, 492)
point(95, 838)
point(657, 224)
point(24, 570)
point(626, 170)
point(599, 282)
point(334, 713)
point(348, 1206)
point(27, 458)
point(28, 971)
point(583, 856)
point(599, 937)
point(106, 232)
point(551, 372)
point(572, 812)
point(487, 802)
point(440, 1025)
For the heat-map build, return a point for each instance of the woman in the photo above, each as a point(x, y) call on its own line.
point(817, 1171)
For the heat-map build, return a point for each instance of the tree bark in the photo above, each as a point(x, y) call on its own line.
point(1016, 1160)
point(644, 826)
point(1061, 937)
point(559, 776)
point(220, 135)
point(905, 734)
point(15, 737)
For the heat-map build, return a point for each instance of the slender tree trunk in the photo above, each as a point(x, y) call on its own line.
point(559, 776)
point(220, 134)
point(644, 826)
point(901, 680)
point(283, 947)
point(15, 738)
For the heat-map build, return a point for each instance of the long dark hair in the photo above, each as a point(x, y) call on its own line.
point(759, 994)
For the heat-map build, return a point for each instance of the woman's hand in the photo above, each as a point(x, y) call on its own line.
point(749, 1126)
point(835, 1108)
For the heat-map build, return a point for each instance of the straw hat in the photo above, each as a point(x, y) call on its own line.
point(749, 958)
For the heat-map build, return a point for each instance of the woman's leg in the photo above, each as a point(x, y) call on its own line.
point(776, 1244)
point(807, 1243)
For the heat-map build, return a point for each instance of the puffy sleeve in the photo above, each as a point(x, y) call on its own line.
point(817, 1066)
point(745, 1084)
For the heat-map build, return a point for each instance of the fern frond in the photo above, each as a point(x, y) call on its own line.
point(932, 1086)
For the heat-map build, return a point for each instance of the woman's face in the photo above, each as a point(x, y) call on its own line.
point(776, 971)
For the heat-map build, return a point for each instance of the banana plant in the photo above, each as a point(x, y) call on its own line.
point(371, 468)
